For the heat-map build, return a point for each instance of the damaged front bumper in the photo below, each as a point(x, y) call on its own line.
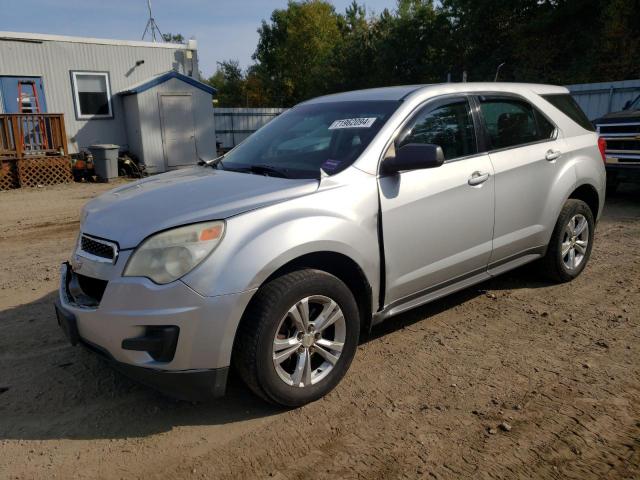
point(166, 336)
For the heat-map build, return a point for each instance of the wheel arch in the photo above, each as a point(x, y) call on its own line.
point(341, 266)
point(589, 195)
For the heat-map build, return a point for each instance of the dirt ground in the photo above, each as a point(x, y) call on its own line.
point(425, 396)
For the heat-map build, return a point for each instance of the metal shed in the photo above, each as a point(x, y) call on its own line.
point(169, 122)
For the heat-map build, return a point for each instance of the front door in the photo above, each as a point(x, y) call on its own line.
point(178, 132)
point(438, 223)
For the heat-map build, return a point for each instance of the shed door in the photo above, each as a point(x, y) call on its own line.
point(178, 132)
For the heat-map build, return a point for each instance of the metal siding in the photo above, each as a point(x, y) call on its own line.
point(132, 125)
point(234, 125)
point(151, 127)
point(598, 99)
point(53, 60)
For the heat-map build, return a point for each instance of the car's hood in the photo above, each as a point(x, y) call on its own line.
point(130, 213)
point(623, 116)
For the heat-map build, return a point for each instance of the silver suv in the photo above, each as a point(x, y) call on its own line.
point(342, 212)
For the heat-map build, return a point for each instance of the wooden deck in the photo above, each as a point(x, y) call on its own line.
point(33, 150)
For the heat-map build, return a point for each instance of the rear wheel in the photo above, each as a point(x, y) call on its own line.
point(571, 242)
point(298, 337)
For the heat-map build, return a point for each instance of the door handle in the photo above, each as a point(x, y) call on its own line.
point(477, 178)
point(552, 155)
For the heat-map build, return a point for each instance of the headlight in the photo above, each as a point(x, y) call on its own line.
point(169, 255)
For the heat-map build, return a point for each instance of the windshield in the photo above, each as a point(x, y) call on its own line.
point(328, 136)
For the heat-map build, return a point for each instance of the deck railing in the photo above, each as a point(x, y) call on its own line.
point(24, 135)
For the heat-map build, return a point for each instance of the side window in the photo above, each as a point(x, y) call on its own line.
point(449, 125)
point(512, 122)
point(92, 95)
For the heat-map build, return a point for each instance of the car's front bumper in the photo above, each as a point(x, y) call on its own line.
point(130, 307)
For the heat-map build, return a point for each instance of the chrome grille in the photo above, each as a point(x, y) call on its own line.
point(623, 141)
point(98, 249)
point(625, 129)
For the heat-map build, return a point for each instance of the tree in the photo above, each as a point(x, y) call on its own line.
point(308, 49)
point(296, 52)
point(409, 44)
point(173, 37)
point(354, 52)
point(229, 81)
point(619, 44)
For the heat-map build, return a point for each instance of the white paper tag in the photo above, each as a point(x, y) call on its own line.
point(352, 123)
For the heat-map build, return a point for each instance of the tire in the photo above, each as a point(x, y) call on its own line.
point(273, 320)
point(557, 263)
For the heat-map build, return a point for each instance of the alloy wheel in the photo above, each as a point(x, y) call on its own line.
point(575, 241)
point(309, 341)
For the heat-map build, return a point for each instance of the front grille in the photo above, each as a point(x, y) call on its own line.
point(92, 287)
point(626, 129)
point(623, 141)
point(623, 144)
point(98, 248)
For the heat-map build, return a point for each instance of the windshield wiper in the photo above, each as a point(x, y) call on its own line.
point(214, 162)
point(269, 170)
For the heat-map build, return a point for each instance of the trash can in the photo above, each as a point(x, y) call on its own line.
point(105, 160)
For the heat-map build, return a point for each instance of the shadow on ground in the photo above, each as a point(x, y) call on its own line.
point(49, 389)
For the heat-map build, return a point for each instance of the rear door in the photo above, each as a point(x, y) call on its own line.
point(526, 155)
point(178, 132)
point(437, 223)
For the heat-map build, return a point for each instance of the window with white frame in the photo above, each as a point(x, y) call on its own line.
point(92, 95)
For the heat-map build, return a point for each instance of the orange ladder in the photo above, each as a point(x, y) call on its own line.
point(29, 104)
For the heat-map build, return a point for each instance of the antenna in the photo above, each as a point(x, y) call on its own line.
point(498, 71)
point(152, 26)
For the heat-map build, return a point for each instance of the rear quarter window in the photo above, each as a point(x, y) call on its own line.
point(567, 105)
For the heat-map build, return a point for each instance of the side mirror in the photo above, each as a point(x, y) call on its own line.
point(627, 104)
point(414, 156)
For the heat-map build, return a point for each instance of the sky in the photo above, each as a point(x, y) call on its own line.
point(224, 29)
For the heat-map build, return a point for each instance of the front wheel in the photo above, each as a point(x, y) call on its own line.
point(297, 338)
point(571, 242)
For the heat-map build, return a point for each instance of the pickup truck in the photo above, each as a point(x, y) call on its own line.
point(621, 130)
point(342, 212)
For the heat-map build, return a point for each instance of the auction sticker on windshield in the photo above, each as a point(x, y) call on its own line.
point(352, 123)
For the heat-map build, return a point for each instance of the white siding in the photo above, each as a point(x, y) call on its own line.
point(53, 60)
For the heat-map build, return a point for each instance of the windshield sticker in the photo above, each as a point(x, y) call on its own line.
point(352, 123)
point(330, 165)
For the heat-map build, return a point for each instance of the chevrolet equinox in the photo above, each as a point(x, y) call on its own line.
point(342, 212)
